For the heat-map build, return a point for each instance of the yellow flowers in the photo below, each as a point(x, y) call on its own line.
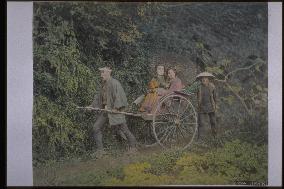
point(138, 174)
point(136, 168)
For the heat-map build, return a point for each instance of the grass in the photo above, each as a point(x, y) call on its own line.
point(151, 166)
point(90, 172)
point(86, 171)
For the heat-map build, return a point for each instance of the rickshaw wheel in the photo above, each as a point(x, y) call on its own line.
point(174, 122)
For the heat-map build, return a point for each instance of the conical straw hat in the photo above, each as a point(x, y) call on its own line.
point(205, 74)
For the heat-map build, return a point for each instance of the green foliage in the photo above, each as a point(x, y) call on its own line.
point(215, 70)
point(54, 133)
point(87, 178)
point(72, 40)
point(193, 88)
point(199, 45)
point(240, 161)
point(236, 161)
point(136, 175)
point(65, 71)
point(163, 163)
point(228, 99)
point(60, 81)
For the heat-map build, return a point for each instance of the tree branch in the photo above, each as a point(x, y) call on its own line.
point(239, 97)
point(239, 69)
point(225, 81)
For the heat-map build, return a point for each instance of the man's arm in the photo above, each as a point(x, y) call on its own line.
point(215, 97)
point(198, 92)
point(97, 102)
point(120, 100)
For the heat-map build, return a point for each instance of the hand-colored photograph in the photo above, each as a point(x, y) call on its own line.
point(150, 93)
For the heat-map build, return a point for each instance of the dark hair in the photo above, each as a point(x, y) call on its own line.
point(156, 66)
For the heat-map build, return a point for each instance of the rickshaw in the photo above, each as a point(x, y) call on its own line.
point(173, 121)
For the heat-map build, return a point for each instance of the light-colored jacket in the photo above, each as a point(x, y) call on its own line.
point(116, 99)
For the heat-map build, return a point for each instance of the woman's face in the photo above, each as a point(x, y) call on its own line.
point(160, 70)
point(171, 74)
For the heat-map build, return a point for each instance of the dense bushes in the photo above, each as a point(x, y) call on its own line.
point(66, 62)
point(73, 39)
point(54, 133)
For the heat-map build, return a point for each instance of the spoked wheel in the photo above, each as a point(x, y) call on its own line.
point(174, 122)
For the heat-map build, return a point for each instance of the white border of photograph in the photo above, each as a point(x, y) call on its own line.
point(275, 94)
point(19, 93)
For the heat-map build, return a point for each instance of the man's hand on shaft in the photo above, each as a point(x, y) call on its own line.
point(89, 107)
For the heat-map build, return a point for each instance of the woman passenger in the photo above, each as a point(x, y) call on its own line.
point(158, 83)
point(175, 83)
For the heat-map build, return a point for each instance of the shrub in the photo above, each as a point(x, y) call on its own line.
point(138, 174)
point(236, 161)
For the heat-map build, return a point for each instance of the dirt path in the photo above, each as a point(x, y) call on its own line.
point(57, 173)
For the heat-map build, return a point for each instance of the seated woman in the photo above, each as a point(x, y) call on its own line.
point(175, 83)
point(156, 84)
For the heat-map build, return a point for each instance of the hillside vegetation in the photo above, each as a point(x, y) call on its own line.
point(73, 39)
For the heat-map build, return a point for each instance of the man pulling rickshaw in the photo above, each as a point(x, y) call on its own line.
point(111, 97)
point(173, 116)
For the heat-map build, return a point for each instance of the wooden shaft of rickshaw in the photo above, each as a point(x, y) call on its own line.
point(110, 111)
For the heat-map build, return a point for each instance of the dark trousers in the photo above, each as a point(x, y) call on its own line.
point(201, 123)
point(98, 126)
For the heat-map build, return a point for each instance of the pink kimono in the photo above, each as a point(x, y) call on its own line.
point(175, 85)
